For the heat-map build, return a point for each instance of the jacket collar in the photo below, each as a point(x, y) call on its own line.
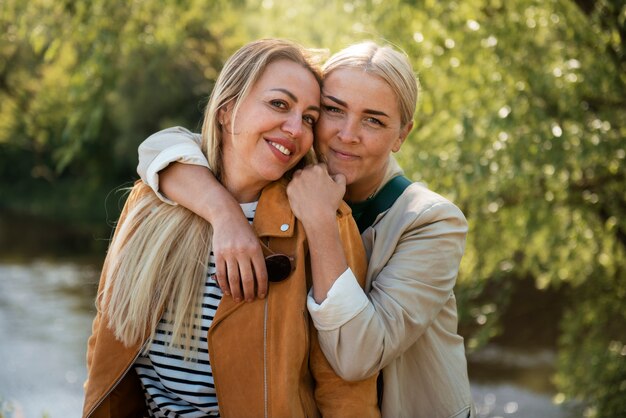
point(273, 217)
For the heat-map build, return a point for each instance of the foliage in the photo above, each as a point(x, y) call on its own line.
point(520, 122)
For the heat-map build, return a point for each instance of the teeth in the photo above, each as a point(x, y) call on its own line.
point(280, 148)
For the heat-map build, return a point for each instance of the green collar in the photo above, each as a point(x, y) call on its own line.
point(365, 213)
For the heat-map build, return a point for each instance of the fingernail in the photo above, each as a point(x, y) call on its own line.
point(237, 300)
point(262, 295)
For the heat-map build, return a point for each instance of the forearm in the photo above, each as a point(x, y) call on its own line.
point(195, 188)
point(238, 257)
point(165, 147)
point(328, 260)
point(172, 163)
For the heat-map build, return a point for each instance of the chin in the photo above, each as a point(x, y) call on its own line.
point(274, 175)
point(338, 169)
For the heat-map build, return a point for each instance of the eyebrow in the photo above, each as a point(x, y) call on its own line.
point(344, 104)
point(294, 98)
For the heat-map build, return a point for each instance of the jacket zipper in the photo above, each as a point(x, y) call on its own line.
point(265, 394)
point(119, 379)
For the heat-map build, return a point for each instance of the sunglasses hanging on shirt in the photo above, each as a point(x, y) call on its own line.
point(279, 266)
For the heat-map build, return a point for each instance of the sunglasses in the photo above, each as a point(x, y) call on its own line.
point(279, 266)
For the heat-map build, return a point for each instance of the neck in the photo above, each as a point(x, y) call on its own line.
point(365, 187)
point(357, 192)
point(237, 179)
point(243, 191)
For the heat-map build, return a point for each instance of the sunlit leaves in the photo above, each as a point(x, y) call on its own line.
point(520, 121)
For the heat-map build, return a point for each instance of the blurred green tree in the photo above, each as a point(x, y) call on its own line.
point(520, 122)
point(81, 83)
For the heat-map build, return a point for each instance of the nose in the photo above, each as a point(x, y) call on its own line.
point(293, 125)
point(348, 131)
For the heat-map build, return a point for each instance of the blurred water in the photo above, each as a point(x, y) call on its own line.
point(45, 316)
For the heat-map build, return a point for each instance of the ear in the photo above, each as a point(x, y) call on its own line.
point(404, 132)
point(224, 114)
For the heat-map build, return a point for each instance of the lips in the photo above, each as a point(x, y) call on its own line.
point(342, 155)
point(282, 148)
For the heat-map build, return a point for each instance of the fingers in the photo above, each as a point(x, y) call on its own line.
point(241, 271)
point(260, 272)
point(340, 179)
point(319, 169)
point(247, 281)
point(234, 280)
point(221, 275)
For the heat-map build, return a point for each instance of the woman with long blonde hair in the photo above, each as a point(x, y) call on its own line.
point(166, 341)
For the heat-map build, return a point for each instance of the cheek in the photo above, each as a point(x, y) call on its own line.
point(380, 147)
point(307, 143)
point(324, 131)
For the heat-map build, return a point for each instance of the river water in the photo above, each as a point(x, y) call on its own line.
point(46, 308)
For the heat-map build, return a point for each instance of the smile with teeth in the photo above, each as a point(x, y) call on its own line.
point(280, 148)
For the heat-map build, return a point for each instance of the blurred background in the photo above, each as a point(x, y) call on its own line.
point(521, 122)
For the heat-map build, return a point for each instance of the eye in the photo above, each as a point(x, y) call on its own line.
point(331, 109)
point(309, 120)
point(280, 104)
point(374, 121)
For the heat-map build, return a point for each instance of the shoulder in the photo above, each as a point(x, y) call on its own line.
point(418, 196)
point(419, 205)
point(175, 131)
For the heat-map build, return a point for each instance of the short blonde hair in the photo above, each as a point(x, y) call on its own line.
point(389, 64)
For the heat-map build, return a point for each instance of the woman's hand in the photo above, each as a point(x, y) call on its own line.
point(314, 195)
point(239, 259)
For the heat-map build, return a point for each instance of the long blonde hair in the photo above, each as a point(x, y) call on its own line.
point(159, 253)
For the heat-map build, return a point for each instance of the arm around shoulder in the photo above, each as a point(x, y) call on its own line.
point(159, 150)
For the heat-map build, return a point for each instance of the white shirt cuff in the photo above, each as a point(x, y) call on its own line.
point(344, 301)
point(183, 153)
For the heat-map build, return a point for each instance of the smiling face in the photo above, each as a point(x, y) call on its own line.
point(272, 129)
point(359, 127)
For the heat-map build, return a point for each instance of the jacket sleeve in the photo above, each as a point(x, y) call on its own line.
point(96, 324)
point(165, 147)
point(408, 291)
point(91, 343)
point(334, 396)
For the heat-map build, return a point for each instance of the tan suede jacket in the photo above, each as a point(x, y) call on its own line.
point(265, 355)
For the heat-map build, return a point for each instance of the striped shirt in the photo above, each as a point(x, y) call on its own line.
point(173, 386)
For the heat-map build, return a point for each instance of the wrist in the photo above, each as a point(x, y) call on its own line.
point(321, 222)
point(221, 210)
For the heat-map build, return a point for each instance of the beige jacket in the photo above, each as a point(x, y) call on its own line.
point(407, 317)
point(265, 357)
point(405, 323)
